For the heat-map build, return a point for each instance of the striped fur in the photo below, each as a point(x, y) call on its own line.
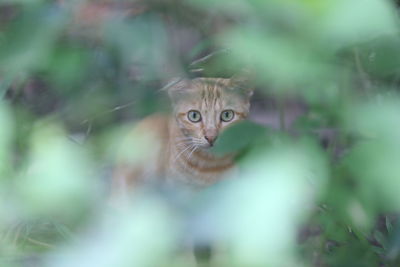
point(180, 151)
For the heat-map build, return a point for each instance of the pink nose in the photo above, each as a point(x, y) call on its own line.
point(210, 139)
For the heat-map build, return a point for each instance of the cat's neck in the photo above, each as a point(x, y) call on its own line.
point(200, 163)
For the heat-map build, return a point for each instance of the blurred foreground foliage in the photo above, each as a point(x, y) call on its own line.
point(322, 191)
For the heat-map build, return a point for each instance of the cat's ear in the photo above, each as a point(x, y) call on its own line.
point(176, 87)
point(243, 84)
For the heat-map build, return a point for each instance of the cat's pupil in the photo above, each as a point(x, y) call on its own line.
point(194, 116)
point(227, 115)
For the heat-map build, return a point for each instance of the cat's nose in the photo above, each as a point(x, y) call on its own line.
point(210, 139)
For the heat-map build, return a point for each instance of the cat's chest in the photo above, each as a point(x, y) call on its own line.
point(197, 173)
point(175, 175)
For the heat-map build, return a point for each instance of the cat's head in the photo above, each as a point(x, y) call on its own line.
point(204, 107)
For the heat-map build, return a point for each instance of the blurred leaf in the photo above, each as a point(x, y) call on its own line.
point(388, 224)
point(373, 160)
point(64, 231)
point(6, 138)
point(67, 66)
point(128, 235)
point(381, 238)
point(282, 61)
point(142, 41)
point(261, 232)
point(57, 181)
point(393, 250)
point(381, 56)
point(238, 137)
point(347, 22)
point(4, 85)
point(28, 42)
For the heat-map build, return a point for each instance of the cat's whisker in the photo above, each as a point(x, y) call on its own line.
point(183, 138)
point(181, 152)
point(183, 144)
point(189, 140)
point(198, 143)
point(191, 152)
point(183, 141)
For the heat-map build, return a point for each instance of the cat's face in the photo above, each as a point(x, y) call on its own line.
point(204, 107)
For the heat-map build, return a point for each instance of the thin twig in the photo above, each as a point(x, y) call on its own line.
point(17, 234)
point(197, 70)
point(89, 121)
point(281, 110)
point(205, 58)
point(109, 111)
point(40, 243)
point(360, 70)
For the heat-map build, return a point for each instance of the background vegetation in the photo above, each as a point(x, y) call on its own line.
point(321, 172)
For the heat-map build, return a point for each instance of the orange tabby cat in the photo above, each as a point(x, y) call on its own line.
point(175, 149)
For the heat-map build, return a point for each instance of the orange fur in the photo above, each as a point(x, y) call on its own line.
point(176, 149)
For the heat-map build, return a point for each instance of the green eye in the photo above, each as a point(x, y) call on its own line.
point(227, 115)
point(194, 116)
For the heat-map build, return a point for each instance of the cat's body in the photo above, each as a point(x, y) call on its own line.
point(173, 151)
point(176, 147)
point(169, 163)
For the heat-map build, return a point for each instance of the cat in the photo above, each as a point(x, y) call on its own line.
point(177, 147)
point(174, 151)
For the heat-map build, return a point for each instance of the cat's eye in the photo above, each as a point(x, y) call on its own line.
point(227, 115)
point(194, 116)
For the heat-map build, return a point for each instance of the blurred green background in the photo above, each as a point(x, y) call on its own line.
point(321, 170)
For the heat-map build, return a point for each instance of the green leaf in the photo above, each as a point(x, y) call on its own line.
point(238, 137)
point(381, 238)
point(389, 225)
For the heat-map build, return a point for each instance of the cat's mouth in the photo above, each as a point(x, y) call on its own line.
point(210, 140)
point(201, 143)
point(207, 145)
